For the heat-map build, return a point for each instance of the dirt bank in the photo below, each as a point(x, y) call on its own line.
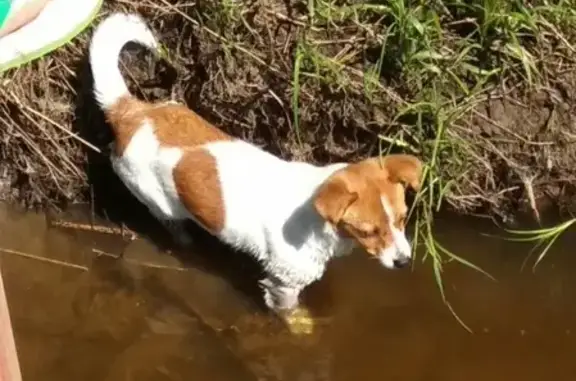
point(486, 99)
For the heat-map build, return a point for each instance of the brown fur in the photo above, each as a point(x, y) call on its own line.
point(195, 176)
point(351, 198)
point(197, 183)
point(394, 174)
point(174, 125)
point(405, 169)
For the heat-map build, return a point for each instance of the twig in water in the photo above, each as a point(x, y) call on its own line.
point(122, 231)
point(140, 263)
point(43, 259)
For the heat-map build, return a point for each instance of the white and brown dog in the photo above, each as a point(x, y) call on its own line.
point(293, 217)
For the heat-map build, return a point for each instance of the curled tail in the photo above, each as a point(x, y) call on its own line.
point(108, 39)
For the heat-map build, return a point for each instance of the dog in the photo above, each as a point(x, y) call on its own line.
point(293, 217)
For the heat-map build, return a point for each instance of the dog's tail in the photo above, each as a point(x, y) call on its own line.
point(108, 39)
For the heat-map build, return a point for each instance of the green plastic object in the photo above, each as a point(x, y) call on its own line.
point(4, 10)
point(41, 50)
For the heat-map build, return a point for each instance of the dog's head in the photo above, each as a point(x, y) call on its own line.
point(365, 201)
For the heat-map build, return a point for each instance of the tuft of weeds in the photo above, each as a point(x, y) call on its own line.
point(333, 80)
point(447, 56)
point(543, 239)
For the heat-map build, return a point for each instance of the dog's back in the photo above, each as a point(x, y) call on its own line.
point(159, 149)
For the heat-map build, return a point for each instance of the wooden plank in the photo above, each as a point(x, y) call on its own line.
point(9, 367)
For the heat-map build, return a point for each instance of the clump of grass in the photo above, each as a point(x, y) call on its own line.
point(331, 80)
point(542, 238)
point(447, 56)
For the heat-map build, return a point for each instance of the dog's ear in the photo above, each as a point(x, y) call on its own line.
point(403, 168)
point(333, 198)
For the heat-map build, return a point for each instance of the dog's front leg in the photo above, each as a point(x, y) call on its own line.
point(284, 301)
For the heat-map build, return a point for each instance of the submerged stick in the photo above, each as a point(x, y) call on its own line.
point(140, 263)
point(122, 231)
point(9, 367)
point(43, 259)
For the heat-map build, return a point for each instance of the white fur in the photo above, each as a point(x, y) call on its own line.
point(107, 42)
point(269, 211)
point(146, 169)
point(401, 249)
point(268, 204)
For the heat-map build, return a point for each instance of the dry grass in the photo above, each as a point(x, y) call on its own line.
point(482, 90)
point(327, 80)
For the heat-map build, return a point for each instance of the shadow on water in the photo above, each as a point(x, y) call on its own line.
point(150, 316)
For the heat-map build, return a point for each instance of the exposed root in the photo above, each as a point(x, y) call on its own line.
point(528, 181)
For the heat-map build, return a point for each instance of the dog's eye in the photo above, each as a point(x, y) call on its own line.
point(402, 220)
point(368, 230)
point(363, 233)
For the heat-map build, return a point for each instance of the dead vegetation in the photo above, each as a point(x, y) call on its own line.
point(482, 90)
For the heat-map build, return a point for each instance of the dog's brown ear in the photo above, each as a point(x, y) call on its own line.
point(333, 198)
point(403, 168)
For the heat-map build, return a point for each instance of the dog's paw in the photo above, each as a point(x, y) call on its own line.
point(299, 321)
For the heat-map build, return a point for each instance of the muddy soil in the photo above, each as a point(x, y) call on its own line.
point(241, 79)
point(529, 148)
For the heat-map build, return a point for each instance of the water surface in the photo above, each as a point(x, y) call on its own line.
point(150, 315)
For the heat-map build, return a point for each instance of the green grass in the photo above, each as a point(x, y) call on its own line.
point(448, 55)
point(543, 238)
point(428, 64)
point(418, 68)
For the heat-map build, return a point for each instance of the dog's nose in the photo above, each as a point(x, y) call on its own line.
point(401, 262)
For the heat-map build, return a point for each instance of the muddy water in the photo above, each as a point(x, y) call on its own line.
point(80, 313)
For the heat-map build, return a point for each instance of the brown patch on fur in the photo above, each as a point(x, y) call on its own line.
point(173, 124)
point(197, 184)
point(196, 175)
point(400, 168)
point(351, 199)
point(394, 173)
point(333, 198)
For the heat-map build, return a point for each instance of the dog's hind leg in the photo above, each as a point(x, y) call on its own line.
point(177, 229)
